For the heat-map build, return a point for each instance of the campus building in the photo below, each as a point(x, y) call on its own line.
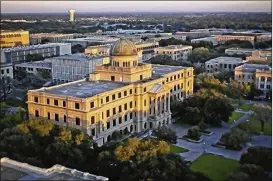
point(35, 67)
point(125, 96)
point(20, 54)
point(220, 64)
point(176, 52)
point(239, 51)
point(6, 70)
point(14, 170)
point(262, 56)
point(223, 38)
point(40, 38)
point(10, 39)
point(259, 75)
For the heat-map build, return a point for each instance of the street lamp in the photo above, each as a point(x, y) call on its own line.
point(204, 146)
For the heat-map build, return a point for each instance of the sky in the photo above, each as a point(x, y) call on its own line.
point(134, 6)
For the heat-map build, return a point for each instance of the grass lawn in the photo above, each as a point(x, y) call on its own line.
point(177, 149)
point(255, 126)
point(244, 107)
point(215, 167)
point(235, 116)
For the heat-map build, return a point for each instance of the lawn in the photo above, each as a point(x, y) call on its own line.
point(235, 116)
point(215, 167)
point(177, 149)
point(254, 126)
point(244, 107)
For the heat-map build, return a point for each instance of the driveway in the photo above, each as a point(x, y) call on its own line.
point(197, 149)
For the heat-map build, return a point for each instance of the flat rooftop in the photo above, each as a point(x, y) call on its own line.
point(33, 47)
point(253, 67)
point(35, 64)
point(78, 57)
point(160, 70)
point(225, 60)
point(241, 49)
point(83, 88)
point(13, 170)
point(174, 47)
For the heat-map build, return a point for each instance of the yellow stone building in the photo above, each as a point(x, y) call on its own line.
point(124, 96)
point(10, 39)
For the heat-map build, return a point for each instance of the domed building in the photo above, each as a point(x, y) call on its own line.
point(125, 96)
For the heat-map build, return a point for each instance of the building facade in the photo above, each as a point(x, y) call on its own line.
point(20, 54)
point(221, 64)
point(74, 67)
point(263, 57)
point(124, 96)
point(35, 67)
point(223, 38)
point(176, 52)
point(48, 38)
point(6, 70)
point(256, 74)
point(239, 51)
point(206, 39)
point(10, 39)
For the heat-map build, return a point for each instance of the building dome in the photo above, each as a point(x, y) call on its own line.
point(124, 47)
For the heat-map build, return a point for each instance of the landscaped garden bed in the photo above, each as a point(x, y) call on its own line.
point(190, 139)
point(206, 133)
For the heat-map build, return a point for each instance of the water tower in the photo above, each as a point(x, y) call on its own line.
point(71, 15)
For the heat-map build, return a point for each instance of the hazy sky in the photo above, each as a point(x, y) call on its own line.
point(133, 6)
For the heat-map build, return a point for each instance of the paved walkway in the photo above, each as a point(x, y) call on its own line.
point(197, 149)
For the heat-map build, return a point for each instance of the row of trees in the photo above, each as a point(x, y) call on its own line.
point(206, 105)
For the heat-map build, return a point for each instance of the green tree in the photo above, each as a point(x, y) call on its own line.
point(194, 133)
point(166, 134)
point(235, 138)
point(263, 113)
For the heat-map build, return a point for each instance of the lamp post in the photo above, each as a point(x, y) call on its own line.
point(204, 146)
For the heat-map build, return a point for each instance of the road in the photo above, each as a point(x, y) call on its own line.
point(197, 149)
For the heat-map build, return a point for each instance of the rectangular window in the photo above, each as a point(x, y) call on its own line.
point(107, 99)
point(47, 101)
point(119, 109)
point(36, 113)
point(113, 97)
point(56, 117)
point(125, 106)
point(119, 95)
point(101, 101)
point(102, 116)
point(114, 122)
point(112, 78)
point(145, 102)
point(48, 115)
point(141, 77)
point(107, 113)
point(131, 104)
point(65, 118)
point(131, 115)
point(36, 99)
point(144, 89)
point(108, 125)
point(78, 121)
point(125, 117)
point(120, 120)
point(131, 91)
point(77, 106)
point(92, 119)
point(135, 91)
point(64, 104)
point(56, 102)
point(92, 105)
point(125, 93)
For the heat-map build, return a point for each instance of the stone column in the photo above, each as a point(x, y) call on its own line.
point(156, 104)
point(265, 82)
point(259, 83)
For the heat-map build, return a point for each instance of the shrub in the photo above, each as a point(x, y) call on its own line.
point(194, 133)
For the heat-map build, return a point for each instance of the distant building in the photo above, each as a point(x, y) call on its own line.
point(14, 170)
point(262, 56)
point(176, 52)
point(206, 39)
point(259, 75)
point(193, 34)
point(35, 67)
point(91, 41)
point(6, 70)
point(48, 38)
point(259, 35)
point(20, 54)
point(74, 67)
point(71, 15)
point(213, 31)
point(223, 38)
point(239, 51)
point(10, 39)
point(222, 64)
point(98, 50)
